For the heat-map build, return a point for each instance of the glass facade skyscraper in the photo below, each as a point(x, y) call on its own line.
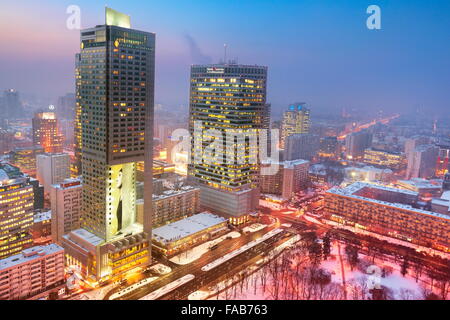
point(115, 96)
point(295, 120)
point(227, 109)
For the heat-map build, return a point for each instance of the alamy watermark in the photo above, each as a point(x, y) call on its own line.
point(228, 147)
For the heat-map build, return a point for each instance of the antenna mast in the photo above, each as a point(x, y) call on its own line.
point(225, 53)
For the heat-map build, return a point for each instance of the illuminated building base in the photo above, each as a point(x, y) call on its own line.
point(100, 261)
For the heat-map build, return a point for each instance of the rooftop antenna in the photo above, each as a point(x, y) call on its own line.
point(225, 53)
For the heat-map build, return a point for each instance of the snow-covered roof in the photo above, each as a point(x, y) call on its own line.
point(88, 236)
point(29, 255)
point(357, 186)
point(42, 216)
point(3, 175)
point(186, 227)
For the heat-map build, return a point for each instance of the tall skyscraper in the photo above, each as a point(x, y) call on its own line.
point(115, 93)
point(227, 99)
point(76, 165)
point(16, 210)
point(46, 132)
point(295, 120)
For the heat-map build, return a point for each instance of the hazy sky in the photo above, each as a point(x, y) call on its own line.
point(317, 51)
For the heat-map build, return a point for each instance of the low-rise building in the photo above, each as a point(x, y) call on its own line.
point(41, 230)
point(426, 188)
point(390, 212)
point(368, 174)
point(382, 158)
point(172, 205)
point(32, 274)
point(289, 178)
point(183, 234)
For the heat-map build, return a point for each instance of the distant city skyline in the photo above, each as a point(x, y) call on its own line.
point(318, 52)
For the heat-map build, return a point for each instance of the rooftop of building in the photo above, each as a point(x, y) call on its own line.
point(186, 227)
point(10, 174)
point(286, 163)
point(421, 183)
point(29, 255)
point(68, 184)
point(87, 236)
point(368, 169)
point(42, 216)
point(173, 192)
point(352, 190)
point(53, 155)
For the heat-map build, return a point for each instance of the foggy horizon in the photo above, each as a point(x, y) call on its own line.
point(323, 55)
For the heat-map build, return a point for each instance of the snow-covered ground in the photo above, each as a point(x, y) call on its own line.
point(195, 253)
point(160, 269)
point(311, 219)
point(429, 251)
point(342, 277)
point(394, 281)
point(254, 227)
point(199, 295)
point(98, 294)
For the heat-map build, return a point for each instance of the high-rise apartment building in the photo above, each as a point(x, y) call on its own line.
point(227, 104)
point(291, 177)
point(173, 205)
point(16, 210)
point(301, 146)
point(328, 148)
point(356, 143)
point(422, 162)
point(52, 168)
point(32, 274)
point(115, 92)
point(295, 120)
point(46, 132)
point(65, 199)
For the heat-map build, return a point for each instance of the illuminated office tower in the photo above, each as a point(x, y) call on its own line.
point(16, 210)
point(115, 93)
point(226, 99)
point(46, 132)
point(295, 120)
point(76, 165)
